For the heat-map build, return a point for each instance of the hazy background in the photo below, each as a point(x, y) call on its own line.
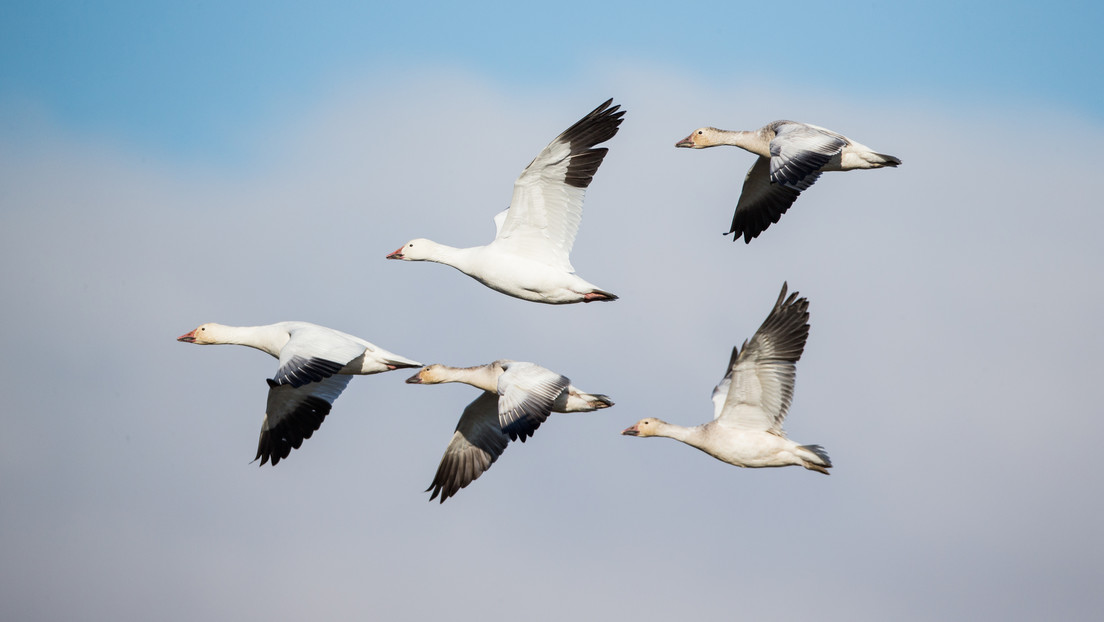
point(248, 163)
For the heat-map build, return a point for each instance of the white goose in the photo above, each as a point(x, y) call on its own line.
point(751, 401)
point(517, 397)
point(791, 157)
point(528, 258)
point(316, 364)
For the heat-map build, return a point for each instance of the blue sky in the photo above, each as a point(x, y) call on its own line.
point(163, 165)
point(193, 76)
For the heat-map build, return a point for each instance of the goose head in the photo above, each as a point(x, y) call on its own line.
point(418, 249)
point(430, 374)
point(644, 427)
point(205, 334)
point(701, 138)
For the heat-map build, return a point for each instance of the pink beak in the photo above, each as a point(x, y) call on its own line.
point(188, 337)
point(686, 142)
point(630, 431)
point(397, 254)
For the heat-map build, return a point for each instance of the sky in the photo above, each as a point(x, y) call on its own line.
point(162, 166)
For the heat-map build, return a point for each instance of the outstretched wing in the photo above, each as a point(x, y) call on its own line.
point(293, 414)
point(547, 204)
point(477, 442)
point(526, 394)
point(314, 353)
point(761, 202)
point(761, 374)
point(799, 151)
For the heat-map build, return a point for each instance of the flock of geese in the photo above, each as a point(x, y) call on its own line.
point(529, 259)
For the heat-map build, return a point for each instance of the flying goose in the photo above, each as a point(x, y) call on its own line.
point(528, 258)
point(516, 398)
point(750, 402)
point(316, 364)
point(792, 156)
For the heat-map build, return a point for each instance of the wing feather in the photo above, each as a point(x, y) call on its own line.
point(293, 413)
point(799, 151)
point(547, 204)
point(762, 372)
point(477, 442)
point(526, 394)
point(761, 202)
point(314, 353)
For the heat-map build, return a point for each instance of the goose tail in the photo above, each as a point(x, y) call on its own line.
point(814, 458)
point(577, 401)
point(881, 159)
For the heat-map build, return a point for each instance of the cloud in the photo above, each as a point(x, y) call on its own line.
point(948, 372)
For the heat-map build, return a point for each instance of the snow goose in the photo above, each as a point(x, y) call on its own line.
point(316, 364)
point(528, 258)
point(791, 157)
point(751, 400)
point(517, 397)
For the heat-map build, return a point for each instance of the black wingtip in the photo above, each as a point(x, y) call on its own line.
point(782, 294)
point(584, 135)
point(436, 488)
